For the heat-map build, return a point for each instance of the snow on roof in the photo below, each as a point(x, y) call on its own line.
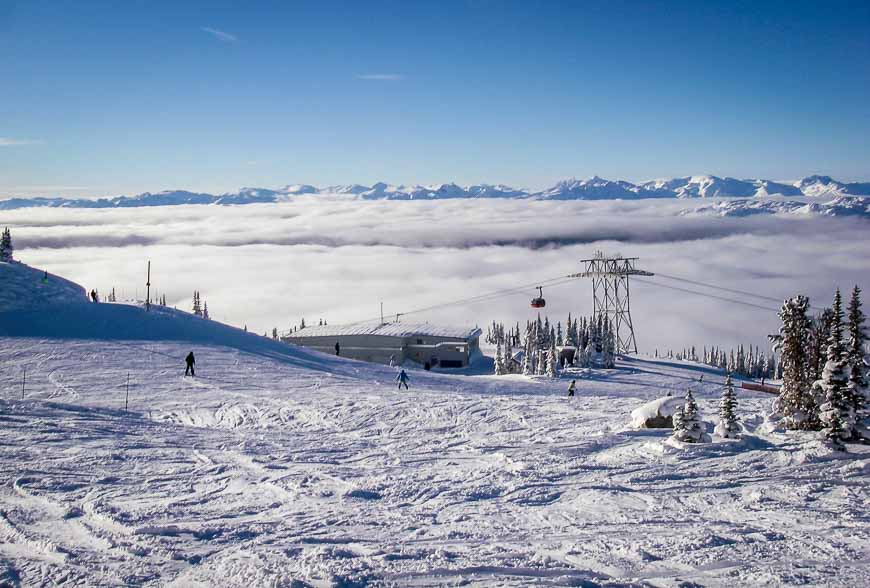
point(388, 330)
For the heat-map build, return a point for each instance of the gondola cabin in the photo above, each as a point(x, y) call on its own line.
point(538, 301)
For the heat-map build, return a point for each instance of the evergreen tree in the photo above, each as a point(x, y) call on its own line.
point(275, 333)
point(508, 358)
point(691, 427)
point(552, 362)
point(679, 423)
point(608, 357)
point(499, 361)
point(836, 412)
point(817, 344)
point(728, 426)
point(197, 309)
point(6, 248)
point(528, 369)
point(796, 402)
point(205, 310)
point(858, 381)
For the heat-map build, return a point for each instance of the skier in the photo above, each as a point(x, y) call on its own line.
point(190, 360)
point(571, 387)
point(402, 378)
point(45, 277)
point(392, 361)
point(94, 295)
point(337, 348)
point(701, 379)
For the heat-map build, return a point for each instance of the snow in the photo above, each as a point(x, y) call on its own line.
point(842, 206)
point(594, 188)
point(660, 407)
point(398, 329)
point(278, 465)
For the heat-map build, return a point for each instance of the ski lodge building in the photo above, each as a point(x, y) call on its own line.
point(377, 342)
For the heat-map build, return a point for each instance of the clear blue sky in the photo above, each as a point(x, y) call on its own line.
point(122, 97)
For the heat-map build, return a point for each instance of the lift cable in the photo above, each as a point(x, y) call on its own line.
point(708, 295)
point(725, 289)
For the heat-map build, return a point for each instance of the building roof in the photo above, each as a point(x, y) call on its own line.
point(401, 329)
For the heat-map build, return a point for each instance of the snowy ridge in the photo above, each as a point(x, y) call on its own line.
point(855, 206)
point(595, 188)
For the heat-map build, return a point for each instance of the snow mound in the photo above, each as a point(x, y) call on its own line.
point(657, 414)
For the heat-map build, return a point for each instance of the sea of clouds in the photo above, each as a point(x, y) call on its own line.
point(269, 265)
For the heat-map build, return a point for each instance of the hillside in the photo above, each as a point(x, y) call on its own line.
point(595, 188)
point(284, 467)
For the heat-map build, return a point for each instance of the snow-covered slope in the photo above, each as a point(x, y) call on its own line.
point(714, 187)
point(276, 466)
point(842, 206)
point(595, 188)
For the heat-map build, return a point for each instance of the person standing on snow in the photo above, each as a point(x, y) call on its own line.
point(190, 360)
point(402, 378)
point(571, 387)
point(337, 348)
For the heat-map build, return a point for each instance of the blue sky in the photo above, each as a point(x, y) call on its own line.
point(121, 97)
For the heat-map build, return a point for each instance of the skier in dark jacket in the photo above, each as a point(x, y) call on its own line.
point(402, 378)
point(337, 348)
point(190, 360)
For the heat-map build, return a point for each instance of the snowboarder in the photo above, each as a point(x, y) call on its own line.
point(190, 360)
point(571, 387)
point(337, 348)
point(402, 378)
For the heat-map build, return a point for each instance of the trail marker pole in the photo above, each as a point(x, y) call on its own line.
point(23, 383)
point(127, 394)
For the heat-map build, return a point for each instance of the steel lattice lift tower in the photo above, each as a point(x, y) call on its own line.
point(611, 295)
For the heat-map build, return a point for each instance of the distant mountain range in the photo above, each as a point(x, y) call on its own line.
point(595, 188)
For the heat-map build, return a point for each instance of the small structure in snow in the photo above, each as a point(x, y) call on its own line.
point(423, 343)
point(658, 414)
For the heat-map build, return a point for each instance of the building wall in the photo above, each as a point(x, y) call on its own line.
point(380, 349)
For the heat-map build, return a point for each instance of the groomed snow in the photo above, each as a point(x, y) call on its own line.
point(280, 466)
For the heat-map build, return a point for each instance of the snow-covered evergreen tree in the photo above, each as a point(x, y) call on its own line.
point(728, 426)
point(6, 248)
point(205, 310)
point(552, 362)
point(499, 361)
point(275, 333)
point(508, 358)
point(858, 365)
point(796, 402)
point(528, 368)
point(608, 348)
point(691, 428)
point(679, 423)
point(835, 412)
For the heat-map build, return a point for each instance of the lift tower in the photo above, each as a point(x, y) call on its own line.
point(611, 295)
